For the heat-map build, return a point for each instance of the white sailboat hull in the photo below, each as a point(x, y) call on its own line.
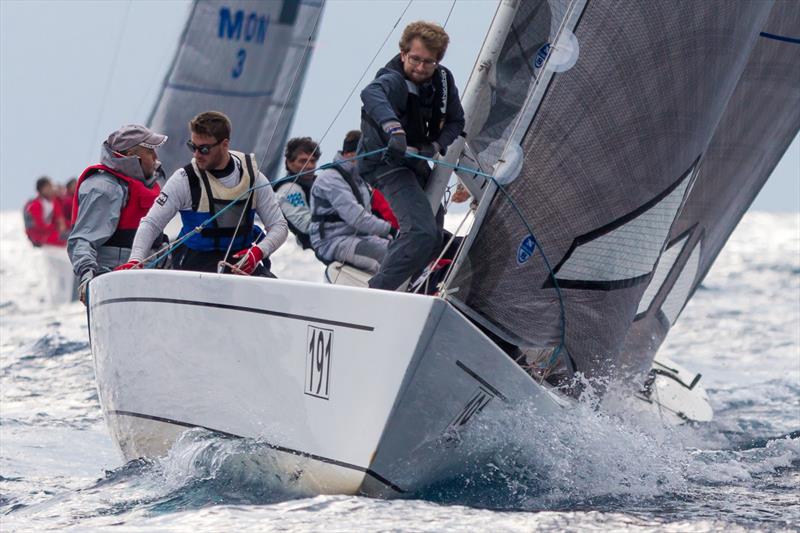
point(61, 281)
point(357, 391)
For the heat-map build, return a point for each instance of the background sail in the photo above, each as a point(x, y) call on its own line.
point(759, 123)
point(610, 157)
point(240, 57)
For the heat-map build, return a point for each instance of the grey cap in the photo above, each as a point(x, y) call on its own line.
point(132, 135)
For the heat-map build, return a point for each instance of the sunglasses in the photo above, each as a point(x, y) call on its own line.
point(202, 148)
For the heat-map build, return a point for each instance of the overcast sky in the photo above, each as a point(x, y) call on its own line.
point(73, 71)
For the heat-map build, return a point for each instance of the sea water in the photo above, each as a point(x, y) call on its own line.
point(604, 469)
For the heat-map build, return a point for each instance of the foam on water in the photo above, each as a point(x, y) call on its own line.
point(606, 466)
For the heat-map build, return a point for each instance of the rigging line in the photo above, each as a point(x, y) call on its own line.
point(471, 211)
point(171, 69)
point(567, 16)
point(364, 73)
point(153, 259)
point(110, 77)
point(449, 13)
point(349, 96)
point(239, 224)
point(551, 273)
point(294, 81)
point(474, 207)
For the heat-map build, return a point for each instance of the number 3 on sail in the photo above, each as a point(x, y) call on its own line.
point(318, 362)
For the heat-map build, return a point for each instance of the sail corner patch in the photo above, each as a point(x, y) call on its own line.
point(525, 250)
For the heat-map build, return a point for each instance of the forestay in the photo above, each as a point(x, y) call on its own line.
point(615, 126)
point(246, 58)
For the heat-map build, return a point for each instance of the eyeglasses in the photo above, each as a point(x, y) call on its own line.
point(416, 61)
point(202, 148)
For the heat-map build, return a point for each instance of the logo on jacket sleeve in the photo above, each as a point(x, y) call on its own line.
point(296, 199)
point(162, 198)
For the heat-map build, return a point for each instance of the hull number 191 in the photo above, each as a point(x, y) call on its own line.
point(318, 362)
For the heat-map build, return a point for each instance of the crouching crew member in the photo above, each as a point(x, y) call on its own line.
point(343, 227)
point(215, 177)
point(294, 194)
point(111, 199)
point(413, 102)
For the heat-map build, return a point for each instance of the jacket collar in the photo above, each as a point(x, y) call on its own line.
point(128, 165)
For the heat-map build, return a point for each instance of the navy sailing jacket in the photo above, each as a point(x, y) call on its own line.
point(387, 98)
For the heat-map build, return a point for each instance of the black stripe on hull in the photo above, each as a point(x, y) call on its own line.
point(276, 447)
point(176, 301)
point(480, 380)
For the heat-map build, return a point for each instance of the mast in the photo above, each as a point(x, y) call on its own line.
point(509, 162)
point(479, 81)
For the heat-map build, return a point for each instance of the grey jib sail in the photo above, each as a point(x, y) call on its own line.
point(246, 58)
point(618, 164)
point(759, 123)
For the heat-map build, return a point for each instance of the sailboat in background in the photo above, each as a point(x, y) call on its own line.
point(247, 59)
point(622, 144)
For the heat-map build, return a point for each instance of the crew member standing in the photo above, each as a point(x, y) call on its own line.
point(412, 102)
point(66, 201)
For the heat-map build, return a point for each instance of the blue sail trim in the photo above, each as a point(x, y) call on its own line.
point(780, 37)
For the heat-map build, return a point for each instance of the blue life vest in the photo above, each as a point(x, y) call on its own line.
point(209, 197)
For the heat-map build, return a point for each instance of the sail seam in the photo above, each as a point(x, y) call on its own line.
point(219, 92)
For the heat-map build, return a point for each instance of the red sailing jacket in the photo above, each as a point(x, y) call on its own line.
point(140, 200)
point(382, 209)
point(39, 230)
point(66, 208)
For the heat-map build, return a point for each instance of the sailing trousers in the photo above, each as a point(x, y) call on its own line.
point(420, 232)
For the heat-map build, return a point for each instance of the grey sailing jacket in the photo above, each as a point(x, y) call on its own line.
point(100, 201)
point(331, 194)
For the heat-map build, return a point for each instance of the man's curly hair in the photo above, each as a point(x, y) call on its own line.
point(431, 34)
point(300, 145)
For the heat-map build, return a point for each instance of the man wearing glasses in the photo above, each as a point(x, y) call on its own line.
point(110, 200)
point(215, 178)
point(412, 104)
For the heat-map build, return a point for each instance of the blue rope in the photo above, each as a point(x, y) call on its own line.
point(562, 312)
point(291, 177)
